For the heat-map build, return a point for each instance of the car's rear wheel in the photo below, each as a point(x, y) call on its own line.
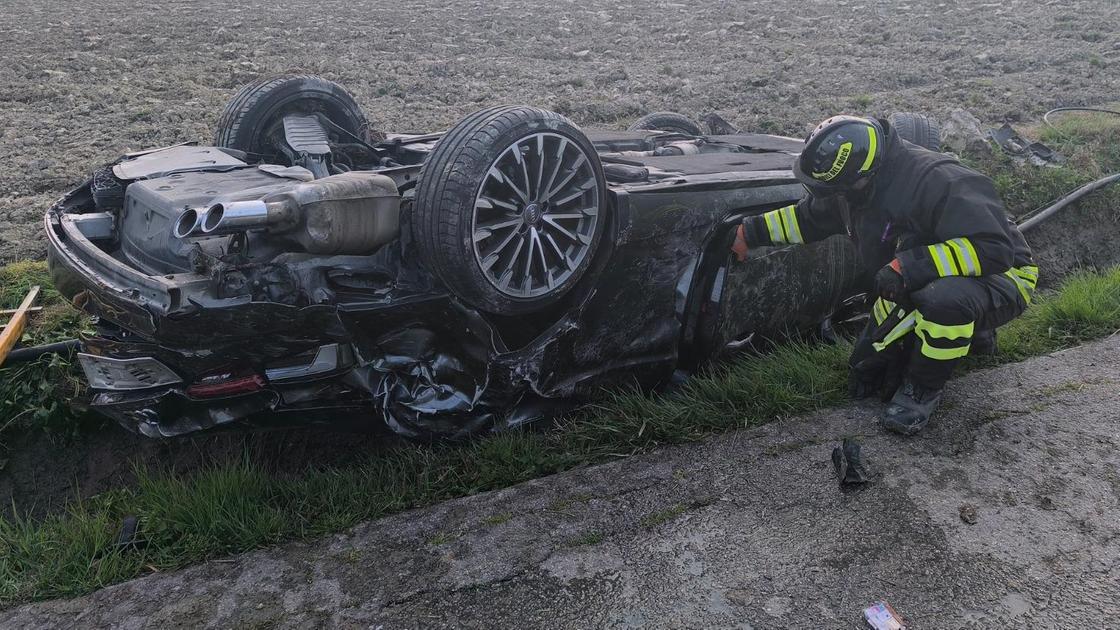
point(510, 208)
point(917, 128)
point(666, 121)
point(251, 114)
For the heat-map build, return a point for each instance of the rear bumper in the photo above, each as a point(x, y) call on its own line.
point(158, 391)
point(103, 285)
point(169, 412)
point(175, 309)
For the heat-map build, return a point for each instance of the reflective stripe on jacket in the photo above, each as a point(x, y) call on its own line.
point(937, 216)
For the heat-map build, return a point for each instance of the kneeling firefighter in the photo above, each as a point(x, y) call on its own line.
point(951, 266)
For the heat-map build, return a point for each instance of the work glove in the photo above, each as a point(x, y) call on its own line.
point(739, 247)
point(878, 376)
point(864, 384)
point(889, 284)
point(892, 376)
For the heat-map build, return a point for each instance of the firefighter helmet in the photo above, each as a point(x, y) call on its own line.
point(841, 151)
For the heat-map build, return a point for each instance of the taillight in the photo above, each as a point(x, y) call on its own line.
point(225, 383)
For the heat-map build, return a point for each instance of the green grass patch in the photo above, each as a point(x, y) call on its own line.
point(57, 321)
point(565, 504)
point(235, 508)
point(36, 394)
point(497, 519)
point(1091, 146)
point(1087, 307)
point(442, 538)
point(649, 521)
point(585, 539)
point(1090, 141)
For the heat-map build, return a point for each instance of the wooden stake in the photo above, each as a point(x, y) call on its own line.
point(14, 330)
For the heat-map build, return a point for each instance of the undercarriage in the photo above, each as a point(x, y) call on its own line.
point(445, 284)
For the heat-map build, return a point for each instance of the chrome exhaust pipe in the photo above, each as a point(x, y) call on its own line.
point(350, 213)
point(228, 218)
point(234, 216)
point(188, 223)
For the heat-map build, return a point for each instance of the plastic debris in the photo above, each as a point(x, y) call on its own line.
point(880, 616)
point(849, 465)
point(126, 537)
point(1014, 145)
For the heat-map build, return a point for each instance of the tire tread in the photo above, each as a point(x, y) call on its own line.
point(918, 129)
point(235, 123)
point(446, 181)
point(667, 121)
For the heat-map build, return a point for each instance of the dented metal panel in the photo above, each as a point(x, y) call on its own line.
point(661, 294)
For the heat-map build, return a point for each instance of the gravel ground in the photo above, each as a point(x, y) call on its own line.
point(1001, 515)
point(83, 80)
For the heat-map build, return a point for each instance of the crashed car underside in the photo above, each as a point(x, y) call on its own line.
point(305, 267)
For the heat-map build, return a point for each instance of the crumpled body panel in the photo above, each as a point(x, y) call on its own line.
point(662, 295)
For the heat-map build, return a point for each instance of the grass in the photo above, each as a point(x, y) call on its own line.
point(238, 507)
point(36, 394)
point(1087, 307)
point(1091, 146)
point(1091, 141)
point(586, 539)
point(497, 519)
point(654, 519)
point(565, 504)
point(235, 508)
point(57, 321)
point(442, 538)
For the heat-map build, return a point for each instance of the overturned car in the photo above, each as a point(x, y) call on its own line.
point(305, 266)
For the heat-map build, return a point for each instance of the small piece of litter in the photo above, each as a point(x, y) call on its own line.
point(847, 461)
point(880, 616)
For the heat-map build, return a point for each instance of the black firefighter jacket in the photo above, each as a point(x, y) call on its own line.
point(937, 216)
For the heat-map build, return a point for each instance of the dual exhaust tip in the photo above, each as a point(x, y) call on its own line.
point(351, 213)
point(221, 218)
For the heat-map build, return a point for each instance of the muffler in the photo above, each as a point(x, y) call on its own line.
point(351, 213)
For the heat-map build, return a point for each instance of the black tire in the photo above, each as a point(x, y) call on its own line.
point(918, 129)
point(257, 106)
point(667, 121)
point(451, 186)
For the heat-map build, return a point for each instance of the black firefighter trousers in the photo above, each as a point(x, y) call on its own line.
point(925, 336)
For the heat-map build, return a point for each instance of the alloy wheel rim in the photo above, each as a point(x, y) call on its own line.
point(535, 215)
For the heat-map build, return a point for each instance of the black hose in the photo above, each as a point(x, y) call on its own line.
point(1046, 116)
point(1035, 218)
point(23, 355)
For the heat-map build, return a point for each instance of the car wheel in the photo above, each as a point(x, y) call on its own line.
point(917, 128)
point(510, 208)
point(667, 121)
point(246, 121)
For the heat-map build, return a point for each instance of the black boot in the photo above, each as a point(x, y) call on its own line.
point(910, 409)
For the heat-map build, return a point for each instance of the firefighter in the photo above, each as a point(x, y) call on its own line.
point(951, 266)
